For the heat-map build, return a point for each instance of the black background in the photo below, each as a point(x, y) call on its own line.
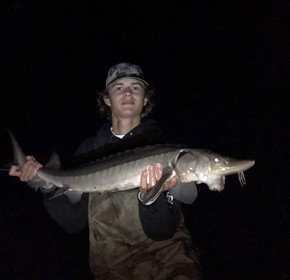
point(220, 73)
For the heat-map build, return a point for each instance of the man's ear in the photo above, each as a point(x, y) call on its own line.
point(107, 101)
point(145, 101)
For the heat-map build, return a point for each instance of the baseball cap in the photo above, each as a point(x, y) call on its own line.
point(125, 70)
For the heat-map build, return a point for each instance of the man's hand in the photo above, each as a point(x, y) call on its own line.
point(27, 171)
point(155, 174)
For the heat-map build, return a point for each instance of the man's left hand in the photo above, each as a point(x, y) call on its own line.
point(154, 174)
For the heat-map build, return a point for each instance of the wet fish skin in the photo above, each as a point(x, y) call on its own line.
point(122, 171)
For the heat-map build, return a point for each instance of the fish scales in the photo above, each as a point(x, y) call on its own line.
point(123, 171)
point(94, 176)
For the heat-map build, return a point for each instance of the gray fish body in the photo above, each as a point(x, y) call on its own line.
point(123, 171)
point(109, 174)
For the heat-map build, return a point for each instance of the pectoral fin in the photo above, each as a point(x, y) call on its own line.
point(73, 196)
point(61, 191)
point(184, 192)
point(36, 182)
point(154, 193)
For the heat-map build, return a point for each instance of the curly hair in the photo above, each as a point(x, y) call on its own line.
point(105, 110)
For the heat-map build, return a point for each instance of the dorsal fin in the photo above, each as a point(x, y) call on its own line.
point(54, 161)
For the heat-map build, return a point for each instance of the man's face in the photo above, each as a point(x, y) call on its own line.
point(126, 98)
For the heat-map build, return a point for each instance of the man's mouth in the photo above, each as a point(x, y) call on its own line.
point(127, 103)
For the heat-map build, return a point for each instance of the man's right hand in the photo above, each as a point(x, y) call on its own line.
point(27, 171)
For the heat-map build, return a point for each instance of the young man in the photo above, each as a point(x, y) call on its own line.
point(127, 239)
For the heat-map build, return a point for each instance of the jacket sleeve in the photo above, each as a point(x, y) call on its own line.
point(160, 219)
point(71, 217)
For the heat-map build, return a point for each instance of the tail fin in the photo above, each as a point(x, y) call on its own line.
point(19, 156)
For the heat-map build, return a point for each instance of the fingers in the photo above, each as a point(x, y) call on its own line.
point(27, 171)
point(144, 186)
point(14, 171)
point(171, 183)
point(153, 175)
point(148, 178)
point(158, 170)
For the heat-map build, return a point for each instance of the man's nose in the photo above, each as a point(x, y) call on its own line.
point(127, 91)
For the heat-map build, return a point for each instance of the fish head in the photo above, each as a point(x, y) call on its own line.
point(203, 173)
point(186, 167)
point(223, 166)
point(212, 169)
point(207, 167)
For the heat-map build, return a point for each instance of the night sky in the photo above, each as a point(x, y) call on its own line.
point(220, 73)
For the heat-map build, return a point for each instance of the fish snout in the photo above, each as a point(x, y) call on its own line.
point(233, 166)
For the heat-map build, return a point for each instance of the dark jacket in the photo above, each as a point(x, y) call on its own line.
point(159, 220)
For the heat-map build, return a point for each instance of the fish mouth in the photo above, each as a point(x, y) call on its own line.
point(232, 167)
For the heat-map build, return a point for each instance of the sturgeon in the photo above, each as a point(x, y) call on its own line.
point(122, 171)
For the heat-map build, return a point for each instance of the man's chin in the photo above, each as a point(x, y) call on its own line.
point(129, 114)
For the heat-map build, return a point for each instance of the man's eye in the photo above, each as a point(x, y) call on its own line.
point(118, 88)
point(136, 88)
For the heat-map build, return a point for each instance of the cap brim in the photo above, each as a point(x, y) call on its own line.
point(128, 77)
